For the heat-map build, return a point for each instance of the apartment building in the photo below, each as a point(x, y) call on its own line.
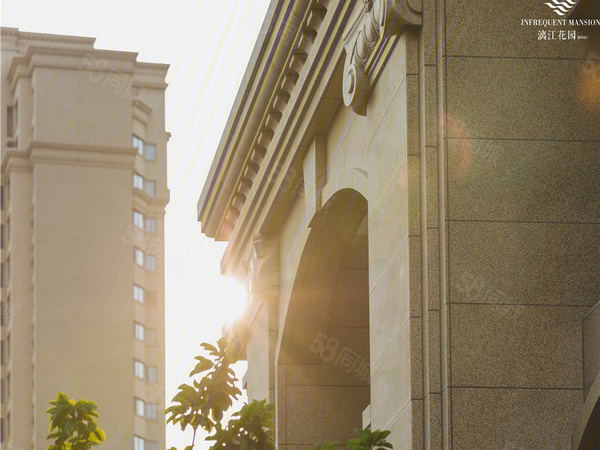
point(82, 225)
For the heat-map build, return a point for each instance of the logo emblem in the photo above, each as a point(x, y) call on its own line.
point(561, 7)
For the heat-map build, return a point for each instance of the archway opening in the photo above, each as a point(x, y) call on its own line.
point(325, 379)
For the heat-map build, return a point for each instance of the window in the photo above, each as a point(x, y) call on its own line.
point(150, 336)
point(1, 236)
point(138, 181)
point(140, 407)
point(138, 331)
point(2, 278)
point(138, 443)
point(150, 225)
point(2, 391)
point(150, 188)
point(150, 152)
point(139, 369)
point(2, 352)
point(152, 373)
point(8, 267)
point(2, 430)
point(138, 294)
point(151, 446)
point(150, 262)
point(8, 386)
point(151, 411)
point(138, 257)
point(138, 219)
point(138, 143)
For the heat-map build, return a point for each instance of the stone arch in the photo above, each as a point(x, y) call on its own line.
point(323, 364)
point(348, 179)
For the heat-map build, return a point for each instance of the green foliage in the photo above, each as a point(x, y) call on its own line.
point(204, 403)
point(366, 440)
point(252, 429)
point(76, 428)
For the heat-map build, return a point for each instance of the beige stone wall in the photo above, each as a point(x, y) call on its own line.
point(522, 238)
point(19, 337)
point(83, 325)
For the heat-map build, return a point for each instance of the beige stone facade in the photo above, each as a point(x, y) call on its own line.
point(83, 197)
point(411, 189)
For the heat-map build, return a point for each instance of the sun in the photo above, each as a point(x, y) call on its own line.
point(234, 301)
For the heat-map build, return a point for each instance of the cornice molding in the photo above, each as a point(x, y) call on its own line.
point(291, 73)
point(272, 73)
point(38, 151)
point(315, 54)
point(379, 20)
point(296, 76)
point(144, 74)
point(44, 37)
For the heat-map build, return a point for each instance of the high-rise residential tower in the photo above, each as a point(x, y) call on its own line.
point(83, 197)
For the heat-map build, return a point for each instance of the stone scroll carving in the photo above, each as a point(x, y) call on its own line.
point(378, 20)
point(264, 269)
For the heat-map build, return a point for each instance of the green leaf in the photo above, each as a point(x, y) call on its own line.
point(202, 366)
point(209, 348)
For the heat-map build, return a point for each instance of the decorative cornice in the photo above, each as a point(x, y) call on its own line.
point(271, 120)
point(379, 20)
point(44, 37)
point(296, 35)
point(264, 95)
point(287, 82)
point(145, 74)
point(38, 151)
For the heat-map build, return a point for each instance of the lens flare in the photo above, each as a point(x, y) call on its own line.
point(234, 300)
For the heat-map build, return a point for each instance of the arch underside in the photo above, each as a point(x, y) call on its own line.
point(323, 367)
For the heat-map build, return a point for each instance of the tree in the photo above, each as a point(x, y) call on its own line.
point(76, 428)
point(204, 403)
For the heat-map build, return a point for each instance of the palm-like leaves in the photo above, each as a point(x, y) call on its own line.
point(73, 425)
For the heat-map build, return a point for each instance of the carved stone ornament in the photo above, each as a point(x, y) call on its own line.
point(378, 20)
point(263, 271)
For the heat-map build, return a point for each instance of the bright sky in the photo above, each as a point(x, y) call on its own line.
point(207, 44)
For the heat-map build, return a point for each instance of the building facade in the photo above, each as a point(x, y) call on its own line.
point(411, 190)
point(83, 197)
